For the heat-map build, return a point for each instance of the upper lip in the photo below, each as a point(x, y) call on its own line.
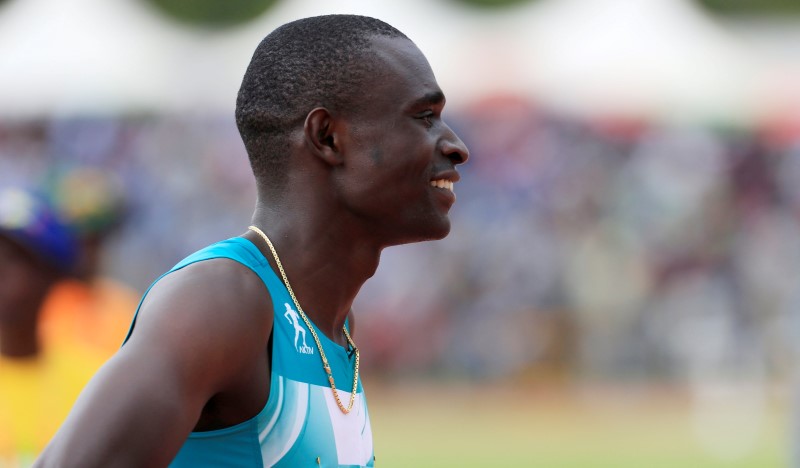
point(449, 175)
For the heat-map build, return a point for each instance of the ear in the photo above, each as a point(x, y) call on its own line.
point(319, 131)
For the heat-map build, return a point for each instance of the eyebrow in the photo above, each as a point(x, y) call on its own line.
point(434, 97)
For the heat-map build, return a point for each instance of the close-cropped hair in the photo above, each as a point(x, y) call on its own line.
point(321, 61)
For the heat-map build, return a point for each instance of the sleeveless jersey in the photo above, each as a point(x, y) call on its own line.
point(301, 424)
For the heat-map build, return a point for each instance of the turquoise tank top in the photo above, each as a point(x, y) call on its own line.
point(301, 424)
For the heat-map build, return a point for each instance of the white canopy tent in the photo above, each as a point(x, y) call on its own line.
point(649, 57)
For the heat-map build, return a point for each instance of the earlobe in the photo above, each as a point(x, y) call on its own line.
point(320, 134)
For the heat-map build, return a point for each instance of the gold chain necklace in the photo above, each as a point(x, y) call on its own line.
point(325, 364)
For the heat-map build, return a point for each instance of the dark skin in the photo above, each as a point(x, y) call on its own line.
point(197, 358)
point(25, 282)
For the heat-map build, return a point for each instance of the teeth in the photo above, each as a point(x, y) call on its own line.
point(442, 183)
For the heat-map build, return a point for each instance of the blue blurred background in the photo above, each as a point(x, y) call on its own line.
point(630, 216)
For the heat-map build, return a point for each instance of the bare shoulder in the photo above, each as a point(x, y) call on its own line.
point(217, 301)
point(209, 286)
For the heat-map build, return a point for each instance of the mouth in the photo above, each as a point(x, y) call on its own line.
point(443, 184)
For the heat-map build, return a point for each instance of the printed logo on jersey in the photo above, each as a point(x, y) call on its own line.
point(293, 317)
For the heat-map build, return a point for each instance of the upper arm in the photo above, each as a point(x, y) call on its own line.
point(196, 333)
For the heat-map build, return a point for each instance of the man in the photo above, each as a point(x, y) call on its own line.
point(40, 378)
point(341, 118)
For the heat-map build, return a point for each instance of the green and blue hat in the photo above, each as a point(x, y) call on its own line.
point(29, 220)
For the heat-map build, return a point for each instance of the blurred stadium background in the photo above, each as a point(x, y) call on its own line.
point(621, 287)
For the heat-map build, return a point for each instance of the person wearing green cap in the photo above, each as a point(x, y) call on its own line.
point(40, 380)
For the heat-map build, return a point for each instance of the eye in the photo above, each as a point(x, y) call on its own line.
point(427, 118)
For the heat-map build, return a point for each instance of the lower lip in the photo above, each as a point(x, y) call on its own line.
point(446, 194)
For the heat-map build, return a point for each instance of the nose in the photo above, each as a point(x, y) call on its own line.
point(453, 148)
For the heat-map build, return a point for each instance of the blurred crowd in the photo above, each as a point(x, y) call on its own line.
point(613, 248)
point(609, 247)
point(61, 318)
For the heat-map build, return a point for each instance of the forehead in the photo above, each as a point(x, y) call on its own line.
point(401, 70)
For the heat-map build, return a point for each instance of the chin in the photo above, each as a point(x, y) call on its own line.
point(427, 227)
point(434, 231)
point(440, 227)
point(443, 233)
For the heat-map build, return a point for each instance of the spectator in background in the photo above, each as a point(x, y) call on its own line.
point(89, 306)
point(39, 379)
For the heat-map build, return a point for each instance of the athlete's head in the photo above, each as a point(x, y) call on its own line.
point(320, 61)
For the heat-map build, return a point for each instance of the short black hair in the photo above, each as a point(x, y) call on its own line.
point(318, 61)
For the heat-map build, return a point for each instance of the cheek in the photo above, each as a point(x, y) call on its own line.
point(377, 156)
point(390, 171)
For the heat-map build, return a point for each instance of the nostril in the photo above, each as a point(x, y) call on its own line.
point(459, 154)
point(457, 157)
point(455, 151)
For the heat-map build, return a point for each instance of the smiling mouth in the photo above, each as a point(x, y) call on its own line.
point(443, 184)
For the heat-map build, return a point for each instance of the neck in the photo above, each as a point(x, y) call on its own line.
point(325, 263)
